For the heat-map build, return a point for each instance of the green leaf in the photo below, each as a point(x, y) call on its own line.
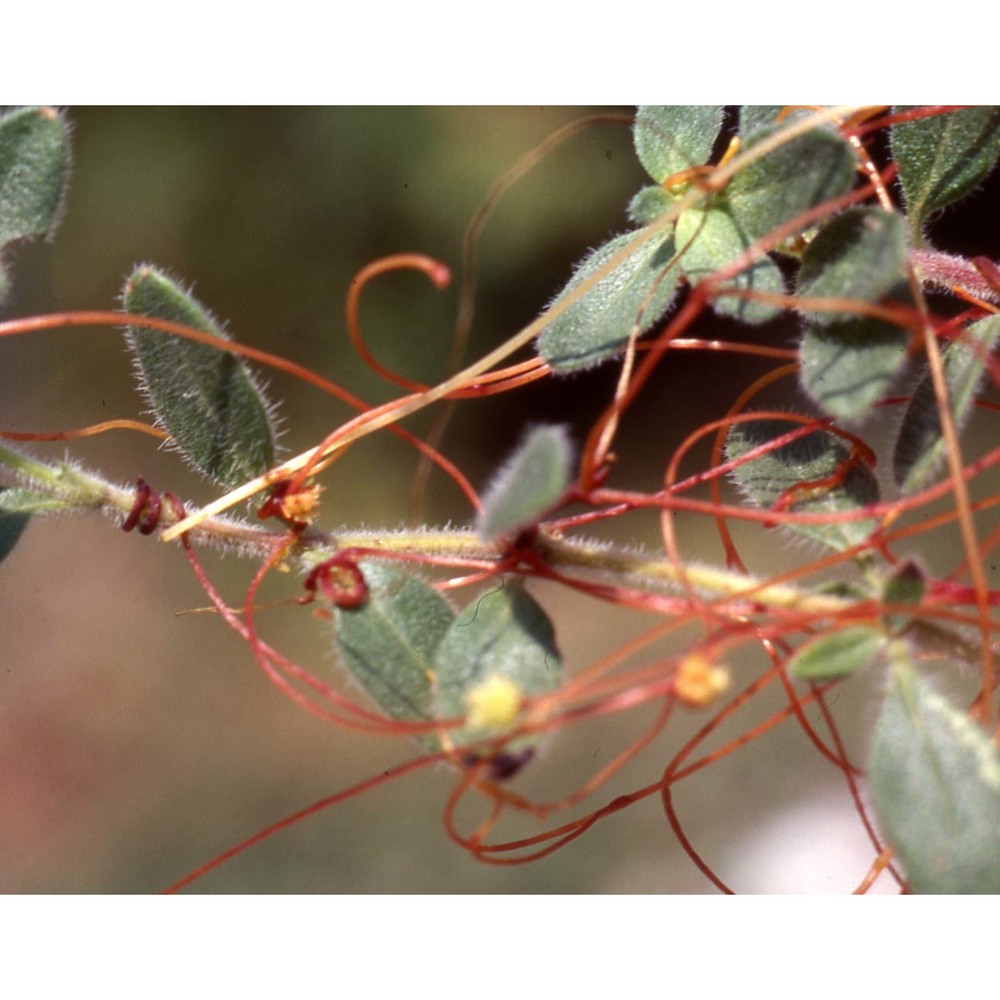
point(849, 360)
point(532, 481)
point(810, 459)
point(848, 367)
point(809, 170)
point(944, 157)
point(34, 172)
point(920, 448)
point(837, 654)
point(204, 398)
point(714, 239)
point(935, 785)
point(860, 255)
point(904, 586)
point(637, 292)
point(389, 643)
point(648, 204)
point(672, 138)
point(12, 522)
point(754, 117)
point(16, 500)
point(506, 634)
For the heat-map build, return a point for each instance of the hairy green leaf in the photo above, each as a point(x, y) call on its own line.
point(714, 239)
point(943, 157)
point(850, 360)
point(837, 654)
point(12, 522)
point(506, 634)
point(648, 204)
point(847, 367)
point(809, 170)
point(672, 138)
point(806, 466)
point(754, 117)
point(935, 785)
point(904, 586)
point(34, 170)
point(859, 256)
point(34, 173)
point(204, 398)
point(636, 293)
point(389, 643)
point(529, 483)
point(920, 448)
point(16, 500)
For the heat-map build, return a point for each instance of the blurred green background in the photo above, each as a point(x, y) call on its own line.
point(136, 744)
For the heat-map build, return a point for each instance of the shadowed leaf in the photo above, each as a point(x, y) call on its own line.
point(920, 448)
point(838, 654)
point(806, 466)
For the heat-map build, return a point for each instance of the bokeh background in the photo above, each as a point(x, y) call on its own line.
point(136, 743)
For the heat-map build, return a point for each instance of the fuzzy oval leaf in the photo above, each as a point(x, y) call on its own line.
point(714, 239)
point(648, 204)
point(849, 360)
point(505, 634)
point(637, 292)
point(754, 117)
point(811, 459)
point(860, 256)
point(389, 643)
point(935, 785)
point(672, 138)
point(904, 586)
point(808, 170)
point(206, 399)
point(838, 654)
point(34, 171)
point(920, 448)
point(847, 367)
point(944, 157)
point(532, 481)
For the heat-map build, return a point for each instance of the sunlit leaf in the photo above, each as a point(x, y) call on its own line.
point(817, 468)
point(389, 643)
point(504, 635)
point(920, 448)
point(837, 654)
point(806, 171)
point(34, 173)
point(943, 157)
point(713, 239)
point(204, 398)
point(529, 483)
point(935, 785)
point(34, 170)
point(648, 204)
point(672, 138)
point(636, 293)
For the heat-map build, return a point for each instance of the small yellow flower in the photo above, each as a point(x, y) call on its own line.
point(699, 681)
point(493, 703)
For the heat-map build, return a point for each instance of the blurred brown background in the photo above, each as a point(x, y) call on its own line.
point(135, 744)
